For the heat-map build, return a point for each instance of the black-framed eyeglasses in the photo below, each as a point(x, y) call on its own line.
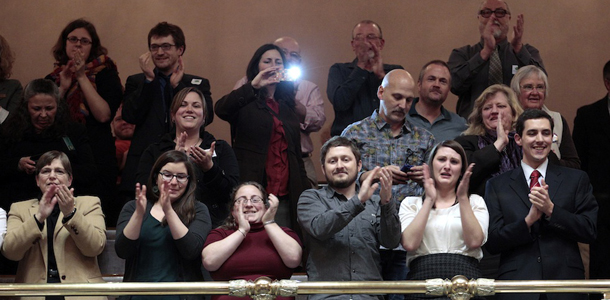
point(164, 46)
point(499, 12)
point(83, 41)
point(253, 200)
point(180, 177)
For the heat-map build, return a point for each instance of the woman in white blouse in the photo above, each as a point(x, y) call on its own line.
point(443, 230)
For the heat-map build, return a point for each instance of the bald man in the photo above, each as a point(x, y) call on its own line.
point(308, 94)
point(493, 59)
point(388, 140)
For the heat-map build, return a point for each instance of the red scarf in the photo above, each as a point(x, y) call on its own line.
point(74, 96)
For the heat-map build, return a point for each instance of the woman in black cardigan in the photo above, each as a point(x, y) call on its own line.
point(216, 166)
point(265, 131)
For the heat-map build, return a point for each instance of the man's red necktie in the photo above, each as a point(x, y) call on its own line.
point(534, 179)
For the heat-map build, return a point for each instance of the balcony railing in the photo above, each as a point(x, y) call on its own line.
point(458, 288)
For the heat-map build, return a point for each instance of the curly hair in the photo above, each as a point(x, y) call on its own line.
point(59, 50)
point(7, 58)
point(230, 222)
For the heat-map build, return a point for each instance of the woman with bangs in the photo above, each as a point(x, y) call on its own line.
point(161, 233)
point(89, 83)
point(489, 141)
point(250, 244)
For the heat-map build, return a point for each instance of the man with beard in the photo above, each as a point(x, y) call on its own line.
point(148, 95)
point(386, 139)
point(344, 223)
point(539, 212)
point(427, 111)
point(491, 61)
point(352, 87)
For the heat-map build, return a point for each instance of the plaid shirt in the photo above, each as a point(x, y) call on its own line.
point(379, 148)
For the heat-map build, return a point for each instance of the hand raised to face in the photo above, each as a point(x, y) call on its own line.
point(147, 66)
point(269, 215)
point(47, 203)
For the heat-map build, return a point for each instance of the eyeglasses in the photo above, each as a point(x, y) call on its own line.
point(83, 41)
point(530, 88)
point(164, 46)
point(180, 177)
point(370, 37)
point(500, 12)
point(253, 200)
point(47, 171)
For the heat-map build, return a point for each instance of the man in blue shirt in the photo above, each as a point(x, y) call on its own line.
point(427, 111)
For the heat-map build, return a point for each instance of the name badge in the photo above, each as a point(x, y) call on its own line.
point(197, 81)
point(515, 68)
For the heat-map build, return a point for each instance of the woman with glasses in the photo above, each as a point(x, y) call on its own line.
point(265, 131)
point(214, 160)
point(56, 237)
point(161, 233)
point(89, 83)
point(251, 244)
point(531, 85)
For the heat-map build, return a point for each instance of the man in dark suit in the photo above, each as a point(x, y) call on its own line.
point(148, 95)
point(539, 212)
point(592, 139)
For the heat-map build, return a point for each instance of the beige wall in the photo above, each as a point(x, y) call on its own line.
point(221, 36)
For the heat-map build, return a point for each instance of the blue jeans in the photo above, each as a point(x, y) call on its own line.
point(393, 268)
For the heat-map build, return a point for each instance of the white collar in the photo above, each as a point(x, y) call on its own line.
point(527, 170)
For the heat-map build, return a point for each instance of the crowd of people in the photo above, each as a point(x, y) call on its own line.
point(498, 189)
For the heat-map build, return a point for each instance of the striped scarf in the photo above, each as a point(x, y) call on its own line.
point(74, 96)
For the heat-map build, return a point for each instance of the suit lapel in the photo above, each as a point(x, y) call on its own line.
point(553, 180)
point(604, 116)
point(58, 226)
point(519, 185)
point(42, 243)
